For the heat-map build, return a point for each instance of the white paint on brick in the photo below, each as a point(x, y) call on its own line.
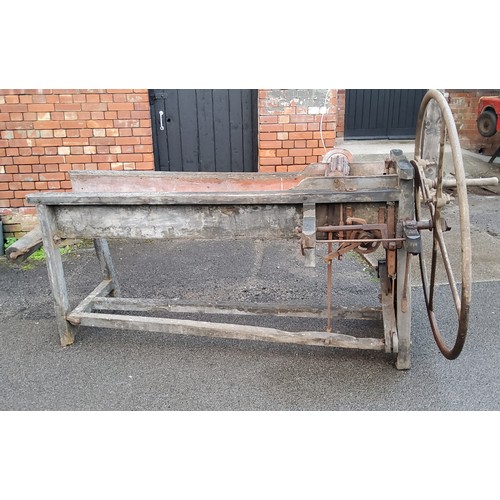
point(313, 110)
point(43, 116)
point(99, 132)
point(63, 150)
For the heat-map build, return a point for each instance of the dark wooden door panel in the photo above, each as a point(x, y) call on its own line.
point(205, 130)
point(381, 113)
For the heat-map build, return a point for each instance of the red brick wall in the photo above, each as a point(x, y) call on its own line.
point(340, 112)
point(463, 104)
point(46, 133)
point(289, 127)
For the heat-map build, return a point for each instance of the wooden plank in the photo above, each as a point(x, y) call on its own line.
point(350, 183)
point(188, 130)
point(367, 168)
point(173, 128)
point(249, 110)
point(236, 198)
point(236, 129)
point(175, 182)
point(225, 330)
point(25, 246)
point(286, 310)
point(222, 133)
point(206, 129)
point(406, 209)
point(102, 289)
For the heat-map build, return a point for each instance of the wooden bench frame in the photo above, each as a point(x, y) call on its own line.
point(211, 215)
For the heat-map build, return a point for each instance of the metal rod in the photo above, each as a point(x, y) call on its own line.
point(448, 269)
point(352, 227)
point(329, 289)
point(451, 183)
point(382, 240)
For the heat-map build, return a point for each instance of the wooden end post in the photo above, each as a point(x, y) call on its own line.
point(406, 208)
point(56, 275)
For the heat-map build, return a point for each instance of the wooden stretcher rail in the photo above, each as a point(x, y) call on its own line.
point(223, 330)
point(287, 310)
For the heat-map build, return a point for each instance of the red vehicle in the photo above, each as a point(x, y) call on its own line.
point(488, 112)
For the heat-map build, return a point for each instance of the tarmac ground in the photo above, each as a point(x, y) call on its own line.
point(128, 370)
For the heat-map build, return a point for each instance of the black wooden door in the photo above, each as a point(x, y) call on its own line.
point(205, 130)
point(381, 113)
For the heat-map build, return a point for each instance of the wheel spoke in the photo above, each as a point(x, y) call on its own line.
point(447, 265)
point(430, 304)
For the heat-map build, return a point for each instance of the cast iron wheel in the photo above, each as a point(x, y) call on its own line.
point(435, 203)
point(487, 123)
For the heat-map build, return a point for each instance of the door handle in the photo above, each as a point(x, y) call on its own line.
point(161, 120)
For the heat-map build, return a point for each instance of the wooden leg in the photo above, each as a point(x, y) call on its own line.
point(56, 275)
point(108, 270)
point(403, 313)
point(406, 211)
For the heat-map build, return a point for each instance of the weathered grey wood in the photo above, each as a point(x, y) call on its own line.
point(406, 208)
point(25, 246)
point(108, 269)
point(215, 215)
point(287, 310)
point(368, 168)
point(349, 183)
point(102, 289)
point(308, 236)
point(225, 330)
point(290, 197)
point(137, 181)
point(429, 150)
point(179, 222)
point(81, 179)
point(389, 320)
point(56, 274)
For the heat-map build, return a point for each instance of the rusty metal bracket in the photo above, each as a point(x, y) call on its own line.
point(413, 241)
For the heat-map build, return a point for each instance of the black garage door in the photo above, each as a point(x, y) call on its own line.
point(204, 130)
point(381, 113)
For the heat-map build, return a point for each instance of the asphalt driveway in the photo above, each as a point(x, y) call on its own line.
point(127, 370)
